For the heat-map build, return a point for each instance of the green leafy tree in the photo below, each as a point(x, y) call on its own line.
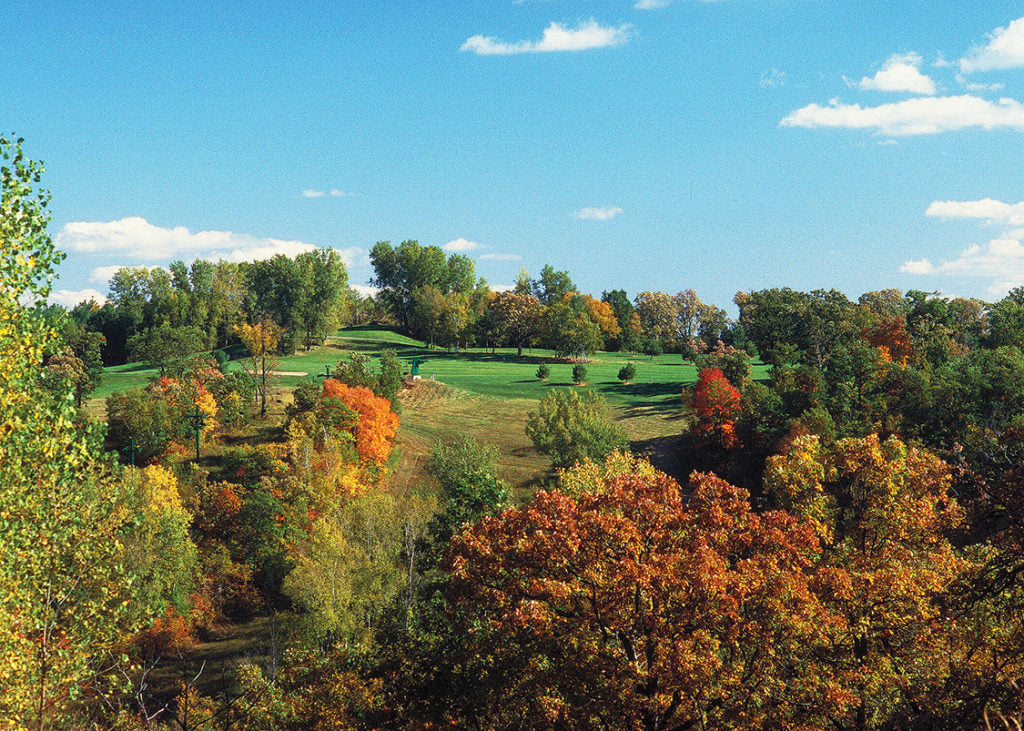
point(389, 380)
point(349, 570)
point(623, 310)
point(569, 332)
point(658, 315)
point(518, 315)
point(571, 428)
point(470, 488)
point(137, 420)
point(165, 345)
point(399, 271)
point(552, 285)
point(324, 283)
point(66, 596)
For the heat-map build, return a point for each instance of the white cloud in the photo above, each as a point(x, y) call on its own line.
point(502, 287)
point(772, 78)
point(598, 214)
point(461, 245)
point(355, 257)
point(1000, 260)
point(1004, 50)
point(365, 291)
point(335, 193)
point(901, 72)
point(652, 4)
point(500, 257)
point(556, 37)
point(918, 116)
point(70, 298)
point(310, 193)
point(137, 238)
point(921, 266)
point(977, 86)
point(988, 209)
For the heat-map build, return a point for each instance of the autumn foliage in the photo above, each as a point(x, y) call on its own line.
point(377, 424)
point(717, 403)
point(633, 604)
point(891, 338)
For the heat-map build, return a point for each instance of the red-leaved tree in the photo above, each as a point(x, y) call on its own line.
point(717, 403)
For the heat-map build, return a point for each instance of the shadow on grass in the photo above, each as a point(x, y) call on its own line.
point(661, 397)
point(666, 454)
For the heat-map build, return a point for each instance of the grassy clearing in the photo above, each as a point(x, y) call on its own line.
point(433, 412)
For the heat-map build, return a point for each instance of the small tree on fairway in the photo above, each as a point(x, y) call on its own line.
point(543, 372)
point(627, 373)
point(653, 348)
point(579, 373)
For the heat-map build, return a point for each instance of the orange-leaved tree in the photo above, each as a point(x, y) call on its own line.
point(631, 607)
point(377, 424)
point(717, 403)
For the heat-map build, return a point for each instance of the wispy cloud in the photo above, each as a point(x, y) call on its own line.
point(333, 192)
point(1004, 50)
point(598, 214)
point(500, 257)
point(461, 245)
point(900, 72)
point(71, 297)
point(978, 86)
point(652, 4)
point(772, 78)
point(918, 116)
point(556, 37)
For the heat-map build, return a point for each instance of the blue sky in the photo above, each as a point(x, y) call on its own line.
point(642, 144)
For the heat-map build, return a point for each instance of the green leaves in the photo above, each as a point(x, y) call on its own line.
point(571, 428)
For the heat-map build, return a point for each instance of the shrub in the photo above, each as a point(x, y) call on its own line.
point(627, 372)
point(543, 372)
point(579, 373)
point(221, 358)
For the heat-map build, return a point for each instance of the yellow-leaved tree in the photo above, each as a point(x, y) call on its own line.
point(64, 587)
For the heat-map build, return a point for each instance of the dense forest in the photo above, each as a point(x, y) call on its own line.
point(840, 548)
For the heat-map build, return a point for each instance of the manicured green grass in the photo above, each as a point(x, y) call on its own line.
point(376, 332)
point(501, 374)
point(123, 377)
